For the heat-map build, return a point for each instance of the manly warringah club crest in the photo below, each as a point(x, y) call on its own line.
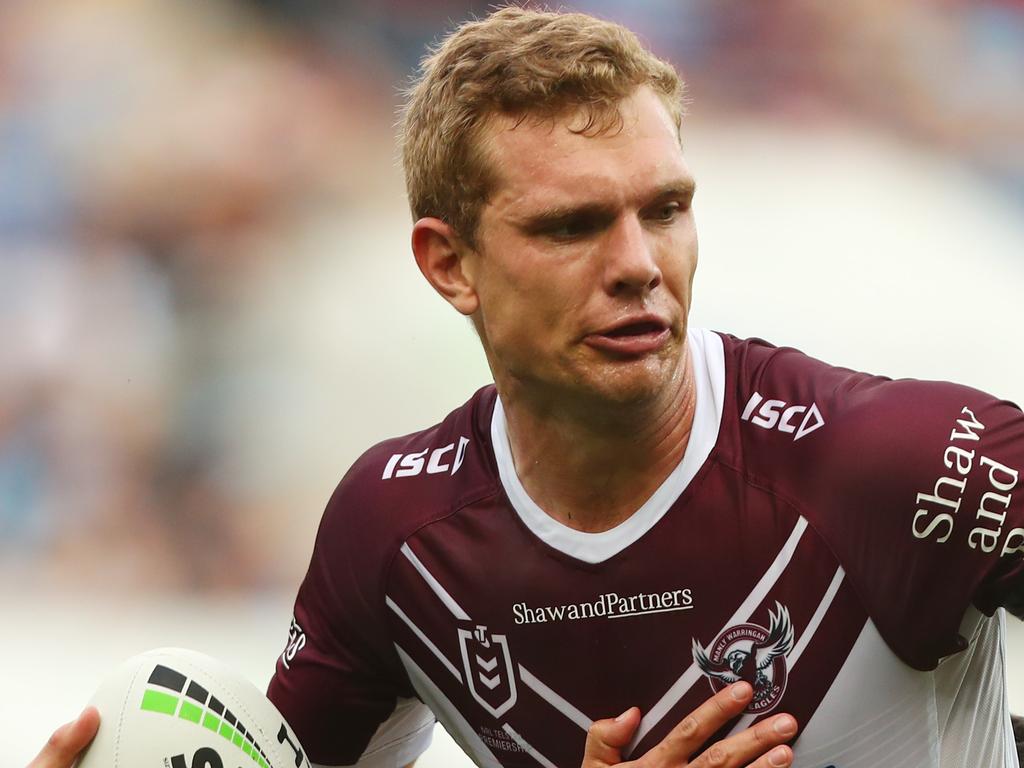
point(488, 667)
point(752, 653)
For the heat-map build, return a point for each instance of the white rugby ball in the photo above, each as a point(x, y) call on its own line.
point(175, 708)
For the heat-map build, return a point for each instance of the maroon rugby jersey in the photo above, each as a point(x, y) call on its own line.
point(841, 541)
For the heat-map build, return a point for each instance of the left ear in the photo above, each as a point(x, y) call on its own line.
point(441, 257)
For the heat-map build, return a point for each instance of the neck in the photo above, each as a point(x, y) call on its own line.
point(591, 467)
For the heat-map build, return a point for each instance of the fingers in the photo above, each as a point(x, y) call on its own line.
point(763, 744)
point(780, 757)
point(68, 741)
point(606, 738)
point(697, 727)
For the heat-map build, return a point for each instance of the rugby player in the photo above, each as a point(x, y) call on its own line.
point(639, 513)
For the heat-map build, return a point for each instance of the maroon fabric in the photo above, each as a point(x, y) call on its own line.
point(858, 481)
point(862, 482)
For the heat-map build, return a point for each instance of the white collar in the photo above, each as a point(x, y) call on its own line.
point(708, 355)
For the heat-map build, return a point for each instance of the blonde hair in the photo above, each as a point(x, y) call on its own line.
point(519, 63)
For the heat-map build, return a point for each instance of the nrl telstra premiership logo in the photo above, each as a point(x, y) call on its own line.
point(488, 667)
point(752, 653)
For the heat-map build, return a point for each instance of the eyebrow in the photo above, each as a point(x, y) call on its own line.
point(684, 188)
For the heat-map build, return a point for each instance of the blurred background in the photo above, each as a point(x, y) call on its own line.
point(208, 307)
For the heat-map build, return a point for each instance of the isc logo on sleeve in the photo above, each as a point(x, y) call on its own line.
point(446, 459)
point(777, 414)
point(296, 642)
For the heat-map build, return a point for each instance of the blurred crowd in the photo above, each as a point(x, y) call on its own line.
point(156, 159)
point(159, 160)
point(946, 73)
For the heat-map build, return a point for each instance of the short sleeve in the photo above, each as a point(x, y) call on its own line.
point(915, 485)
point(337, 681)
point(927, 479)
point(967, 500)
point(995, 522)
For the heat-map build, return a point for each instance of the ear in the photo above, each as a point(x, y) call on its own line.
point(443, 259)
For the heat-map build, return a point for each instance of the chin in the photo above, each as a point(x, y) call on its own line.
point(632, 382)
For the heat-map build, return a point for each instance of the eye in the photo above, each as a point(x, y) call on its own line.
point(667, 211)
point(571, 228)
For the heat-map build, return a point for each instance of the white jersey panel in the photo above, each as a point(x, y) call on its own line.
point(401, 738)
point(971, 699)
point(879, 711)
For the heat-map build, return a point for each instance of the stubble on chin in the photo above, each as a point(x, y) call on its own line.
point(631, 384)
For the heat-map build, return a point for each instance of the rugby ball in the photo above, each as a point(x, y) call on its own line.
point(175, 708)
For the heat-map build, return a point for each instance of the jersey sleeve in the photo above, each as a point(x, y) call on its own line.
point(995, 525)
point(942, 496)
point(926, 477)
point(338, 682)
point(915, 485)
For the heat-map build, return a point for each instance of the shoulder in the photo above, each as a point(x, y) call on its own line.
point(912, 484)
point(831, 436)
point(393, 490)
point(348, 669)
point(403, 483)
point(791, 407)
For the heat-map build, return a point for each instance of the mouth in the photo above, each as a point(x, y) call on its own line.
point(640, 328)
point(632, 338)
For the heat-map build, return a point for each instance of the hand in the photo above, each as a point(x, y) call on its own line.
point(68, 741)
point(764, 743)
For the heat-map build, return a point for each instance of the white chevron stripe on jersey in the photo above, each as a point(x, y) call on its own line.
point(422, 636)
point(805, 637)
point(448, 714)
point(819, 614)
point(554, 699)
point(435, 585)
point(525, 675)
point(757, 595)
point(527, 747)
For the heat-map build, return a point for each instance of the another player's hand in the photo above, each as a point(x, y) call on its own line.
point(68, 741)
point(762, 746)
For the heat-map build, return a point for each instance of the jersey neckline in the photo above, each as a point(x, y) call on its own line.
point(708, 355)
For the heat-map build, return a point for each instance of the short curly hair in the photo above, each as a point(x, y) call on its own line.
point(519, 63)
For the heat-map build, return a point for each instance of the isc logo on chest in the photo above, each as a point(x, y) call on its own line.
point(778, 414)
point(446, 459)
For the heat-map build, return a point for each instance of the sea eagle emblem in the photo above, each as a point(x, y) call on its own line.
point(753, 653)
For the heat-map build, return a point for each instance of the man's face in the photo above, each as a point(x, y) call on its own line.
point(586, 254)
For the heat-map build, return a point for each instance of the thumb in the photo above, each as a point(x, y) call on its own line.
point(68, 741)
point(606, 738)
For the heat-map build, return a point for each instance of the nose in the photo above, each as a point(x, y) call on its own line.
point(630, 266)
